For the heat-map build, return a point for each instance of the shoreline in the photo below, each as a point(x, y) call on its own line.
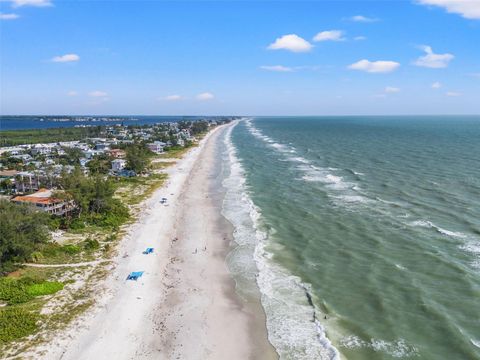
point(185, 305)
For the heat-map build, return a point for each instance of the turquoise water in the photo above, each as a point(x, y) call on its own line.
point(365, 232)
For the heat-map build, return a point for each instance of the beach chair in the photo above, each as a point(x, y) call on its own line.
point(148, 251)
point(134, 275)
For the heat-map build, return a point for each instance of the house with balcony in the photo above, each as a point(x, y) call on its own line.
point(157, 147)
point(44, 200)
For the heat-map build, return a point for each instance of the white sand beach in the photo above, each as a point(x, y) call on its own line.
point(184, 306)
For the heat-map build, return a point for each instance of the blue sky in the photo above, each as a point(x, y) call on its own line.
point(242, 57)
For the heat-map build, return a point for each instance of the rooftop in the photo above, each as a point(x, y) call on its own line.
point(42, 196)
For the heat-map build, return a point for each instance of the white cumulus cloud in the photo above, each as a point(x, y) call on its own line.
point(291, 42)
point(330, 35)
point(361, 18)
point(72, 93)
point(360, 38)
point(8, 16)
point(97, 93)
point(432, 60)
point(174, 97)
point(66, 58)
point(374, 66)
point(36, 3)
point(391, 90)
point(277, 68)
point(469, 9)
point(436, 85)
point(205, 96)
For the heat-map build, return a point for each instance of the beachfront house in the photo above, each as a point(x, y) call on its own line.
point(44, 200)
point(157, 147)
point(118, 165)
point(180, 141)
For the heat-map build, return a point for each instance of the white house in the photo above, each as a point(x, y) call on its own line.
point(156, 147)
point(118, 165)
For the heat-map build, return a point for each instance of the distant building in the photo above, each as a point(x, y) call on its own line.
point(117, 153)
point(157, 147)
point(23, 157)
point(7, 180)
point(26, 181)
point(8, 174)
point(118, 165)
point(91, 153)
point(43, 200)
point(41, 149)
point(83, 162)
point(102, 146)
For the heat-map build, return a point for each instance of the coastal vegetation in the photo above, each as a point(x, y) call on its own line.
point(34, 136)
point(16, 323)
point(94, 199)
point(18, 320)
point(138, 158)
point(23, 231)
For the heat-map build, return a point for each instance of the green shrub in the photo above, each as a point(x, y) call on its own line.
point(54, 223)
point(91, 244)
point(111, 237)
point(70, 249)
point(36, 256)
point(45, 288)
point(13, 291)
point(16, 323)
point(77, 224)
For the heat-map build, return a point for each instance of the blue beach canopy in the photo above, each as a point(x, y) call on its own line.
point(148, 251)
point(134, 275)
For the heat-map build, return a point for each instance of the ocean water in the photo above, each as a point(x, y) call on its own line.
point(361, 233)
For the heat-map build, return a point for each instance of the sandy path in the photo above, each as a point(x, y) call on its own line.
point(184, 306)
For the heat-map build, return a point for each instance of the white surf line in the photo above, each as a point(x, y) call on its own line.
point(289, 316)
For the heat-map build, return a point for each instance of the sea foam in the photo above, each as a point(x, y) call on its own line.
point(397, 349)
point(430, 225)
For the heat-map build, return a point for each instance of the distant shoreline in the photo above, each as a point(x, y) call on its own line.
point(25, 122)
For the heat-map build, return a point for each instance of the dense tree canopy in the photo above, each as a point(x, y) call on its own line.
point(100, 164)
point(93, 197)
point(22, 229)
point(138, 158)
